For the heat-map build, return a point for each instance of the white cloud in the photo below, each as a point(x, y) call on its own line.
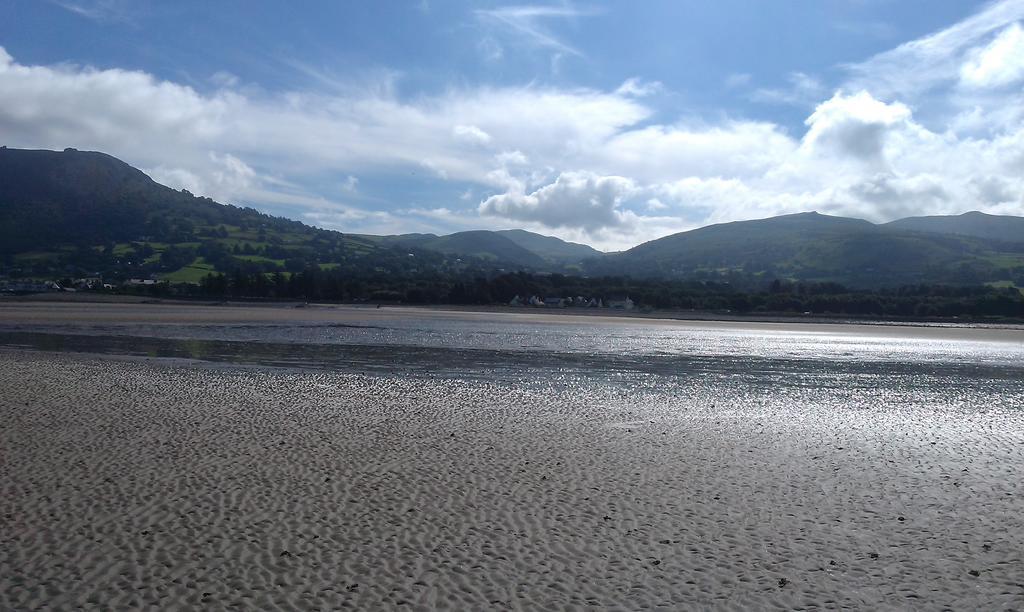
point(471, 134)
point(575, 199)
point(803, 90)
point(587, 165)
point(223, 179)
point(661, 152)
point(934, 60)
point(99, 10)
point(225, 79)
point(173, 130)
point(527, 24)
point(638, 88)
point(999, 63)
point(511, 158)
point(853, 127)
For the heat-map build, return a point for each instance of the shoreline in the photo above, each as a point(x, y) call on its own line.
point(683, 316)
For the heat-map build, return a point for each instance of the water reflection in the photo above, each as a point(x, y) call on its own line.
point(645, 370)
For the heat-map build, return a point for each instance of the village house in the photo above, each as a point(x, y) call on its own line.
point(620, 303)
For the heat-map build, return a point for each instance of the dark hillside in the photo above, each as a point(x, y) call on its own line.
point(1000, 228)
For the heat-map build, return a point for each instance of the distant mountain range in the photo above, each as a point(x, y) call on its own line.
point(1000, 228)
point(969, 248)
point(75, 213)
point(514, 246)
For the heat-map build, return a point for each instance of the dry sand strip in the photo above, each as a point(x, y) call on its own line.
point(127, 485)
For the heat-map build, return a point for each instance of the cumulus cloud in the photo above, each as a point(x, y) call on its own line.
point(179, 133)
point(598, 166)
point(853, 126)
point(575, 199)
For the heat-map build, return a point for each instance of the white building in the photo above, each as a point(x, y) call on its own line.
point(620, 303)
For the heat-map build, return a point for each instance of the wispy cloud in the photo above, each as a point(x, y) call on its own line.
point(100, 10)
point(872, 29)
point(527, 24)
point(639, 88)
point(999, 63)
point(803, 90)
point(737, 79)
point(933, 60)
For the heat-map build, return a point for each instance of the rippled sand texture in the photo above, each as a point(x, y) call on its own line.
point(130, 485)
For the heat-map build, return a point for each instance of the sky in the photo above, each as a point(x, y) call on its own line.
point(606, 123)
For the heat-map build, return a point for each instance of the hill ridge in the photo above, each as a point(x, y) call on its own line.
point(75, 212)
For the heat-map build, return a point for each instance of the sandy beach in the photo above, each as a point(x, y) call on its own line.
point(162, 484)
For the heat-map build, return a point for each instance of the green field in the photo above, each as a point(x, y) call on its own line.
point(1005, 284)
point(192, 273)
point(1007, 260)
point(260, 259)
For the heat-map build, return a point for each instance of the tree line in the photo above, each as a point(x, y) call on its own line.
point(478, 287)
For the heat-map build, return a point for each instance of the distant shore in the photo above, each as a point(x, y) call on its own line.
point(604, 313)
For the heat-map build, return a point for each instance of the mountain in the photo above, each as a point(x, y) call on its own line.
point(740, 242)
point(812, 246)
point(552, 249)
point(1001, 228)
point(83, 213)
point(482, 244)
point(514, 246)
point(76, 213)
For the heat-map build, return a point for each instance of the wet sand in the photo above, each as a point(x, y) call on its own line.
point(129, 484)
point(48, 313)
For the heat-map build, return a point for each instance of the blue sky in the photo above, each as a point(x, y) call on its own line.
point(605, 123)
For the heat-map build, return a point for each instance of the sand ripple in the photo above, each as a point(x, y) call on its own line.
point(128, 485)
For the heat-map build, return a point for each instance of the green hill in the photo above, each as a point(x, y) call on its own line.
point(76, 213)
point(811, 246)
point(481, 244)
point(518, 247)
point(79, 213)
point(550, 248)
point(1001, 228)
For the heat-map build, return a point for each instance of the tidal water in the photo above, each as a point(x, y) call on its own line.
point(955, 366)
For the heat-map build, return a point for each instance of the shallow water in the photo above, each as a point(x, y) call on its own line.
point(962, 366)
